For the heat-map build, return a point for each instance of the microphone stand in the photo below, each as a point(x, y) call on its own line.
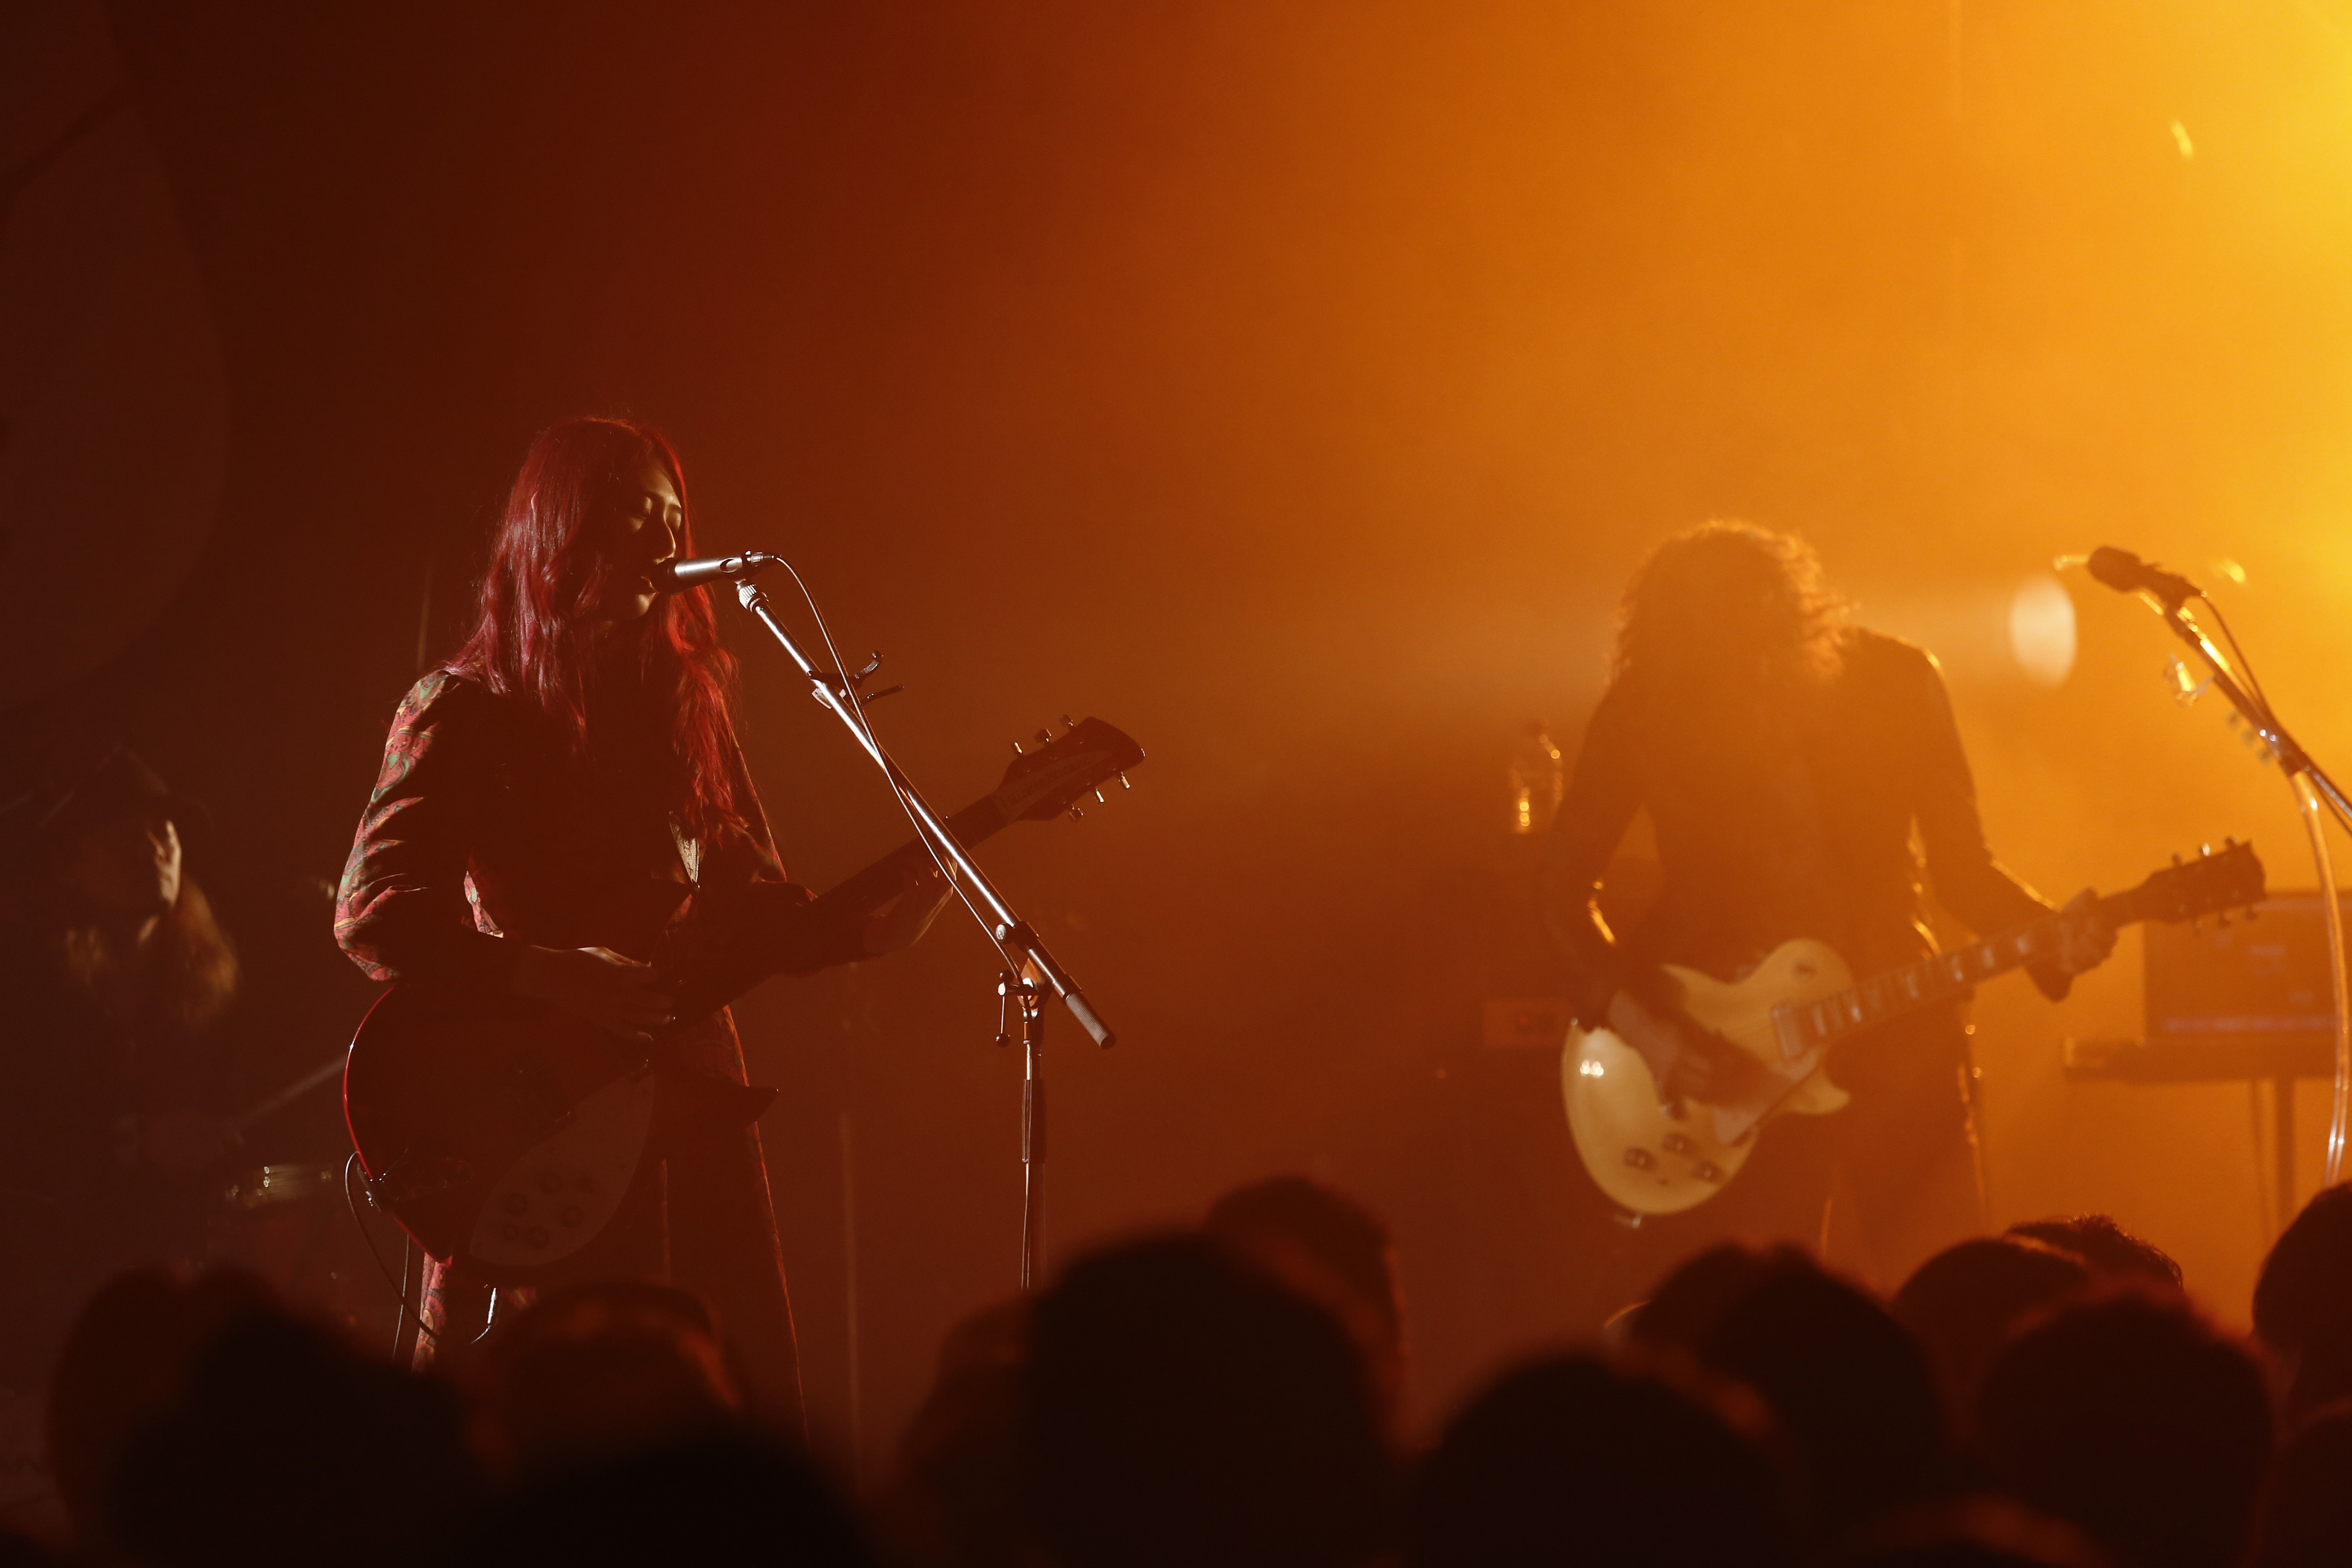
point(1021, 993)
point(2311, 786)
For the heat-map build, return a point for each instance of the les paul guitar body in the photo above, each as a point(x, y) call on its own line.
point(1788, 1013)
point(1653, 1159)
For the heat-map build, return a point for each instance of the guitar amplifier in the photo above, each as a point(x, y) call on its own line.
point(2253, 999)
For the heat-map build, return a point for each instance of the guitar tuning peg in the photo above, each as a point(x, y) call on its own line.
point(1123, 783)
point(1017, 751)
point(1077, 815)
point(1069, 722)
point(2175, 855)
point(1098, 798)
point(2203, 850)
point(1045, 737)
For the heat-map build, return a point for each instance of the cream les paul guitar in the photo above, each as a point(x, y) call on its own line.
point(1786, 1015)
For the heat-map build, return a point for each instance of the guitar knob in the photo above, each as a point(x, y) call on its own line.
point(1639, 1159)
point(1077, 815)
point(1675, 1144)
point(1706, 1172)
point(1045, 737)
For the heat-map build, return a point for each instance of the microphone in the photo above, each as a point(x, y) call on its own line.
point(2127, 573)
point(680, 575)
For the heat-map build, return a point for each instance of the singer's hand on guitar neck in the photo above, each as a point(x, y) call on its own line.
point(1686, 1063)
point(902, 921)
point(611, 990)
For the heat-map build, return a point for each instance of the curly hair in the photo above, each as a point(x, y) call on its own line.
point(1727, 612)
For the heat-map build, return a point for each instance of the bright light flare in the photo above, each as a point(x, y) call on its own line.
point(2042, 631)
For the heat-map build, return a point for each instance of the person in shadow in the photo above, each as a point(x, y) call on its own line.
point(2130, 1417)
point(2303, 1303)
point(2306, 1518)
point(1181, 1408)
point(1565, 1460)
point(1848, 1383)
point(1963, 1303)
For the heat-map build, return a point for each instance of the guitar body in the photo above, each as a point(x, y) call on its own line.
point(508, 1132)
point(1653, 1161)
point(1790, 1011)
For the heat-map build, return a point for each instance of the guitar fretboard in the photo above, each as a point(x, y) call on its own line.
point(1937, 978)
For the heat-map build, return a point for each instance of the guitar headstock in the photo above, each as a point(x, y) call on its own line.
point(2217, 880)
point(1044, 783)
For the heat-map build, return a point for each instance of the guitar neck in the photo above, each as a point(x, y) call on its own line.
point(981, 820)
point(721, 975)
point(1940, 977)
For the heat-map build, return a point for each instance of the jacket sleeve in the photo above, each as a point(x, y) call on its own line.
point(402, 913)
point(1603, 794)
point(757, 921)
point(1961, 870)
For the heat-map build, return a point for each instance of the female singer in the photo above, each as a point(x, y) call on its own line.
point(562, 792)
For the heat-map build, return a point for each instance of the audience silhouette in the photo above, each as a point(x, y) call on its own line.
point(1962, 1303)
point(1230, 1395)
point(2131, 1418)
point(1845, 1381)
point(1182, 1408)
point(1566, 1460)
point(2307, 1520)
point(2303, 1303)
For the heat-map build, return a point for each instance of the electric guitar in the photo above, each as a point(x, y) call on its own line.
point(1788, 1014)
point(510, 1132)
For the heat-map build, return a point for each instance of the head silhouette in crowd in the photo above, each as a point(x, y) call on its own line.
point(1963, 1303)
point(953, 1497)
point(602, 1370)
point(2303, 1302)
point(721, 1500)
point(1846, 1383)
point(2130, 1417)
point(1182, 1408)
point(2306, 1517)
point(285, 1450)
point(2105, 1247)
point(124, 1364)
point(1329, 1249)
point(1568, 1461)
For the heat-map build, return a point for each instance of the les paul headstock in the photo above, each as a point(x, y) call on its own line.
point(2214, 883)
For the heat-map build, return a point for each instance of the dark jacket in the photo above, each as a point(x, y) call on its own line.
point(1801, 827)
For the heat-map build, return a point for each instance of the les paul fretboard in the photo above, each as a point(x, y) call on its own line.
point(2208, 882)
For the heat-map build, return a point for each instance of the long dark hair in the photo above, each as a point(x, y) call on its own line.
point(1725, 619)
point(537, 639)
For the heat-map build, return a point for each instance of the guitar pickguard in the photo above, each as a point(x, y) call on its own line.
point(555, 1200)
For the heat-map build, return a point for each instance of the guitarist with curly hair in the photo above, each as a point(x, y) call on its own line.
point(1789, 762)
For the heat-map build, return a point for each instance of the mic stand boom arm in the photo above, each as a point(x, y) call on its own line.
point(1008, 929)
point(2292, 759)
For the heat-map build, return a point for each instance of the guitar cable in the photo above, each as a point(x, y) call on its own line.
point(406, 1309)
point(865, 727)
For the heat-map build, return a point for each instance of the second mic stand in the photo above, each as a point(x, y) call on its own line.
point(2312, 786)
point(1014, 936)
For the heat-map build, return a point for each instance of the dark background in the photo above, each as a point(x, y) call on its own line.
point(1292, 385)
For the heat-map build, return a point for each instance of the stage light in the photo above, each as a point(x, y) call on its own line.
point(2041, 630)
